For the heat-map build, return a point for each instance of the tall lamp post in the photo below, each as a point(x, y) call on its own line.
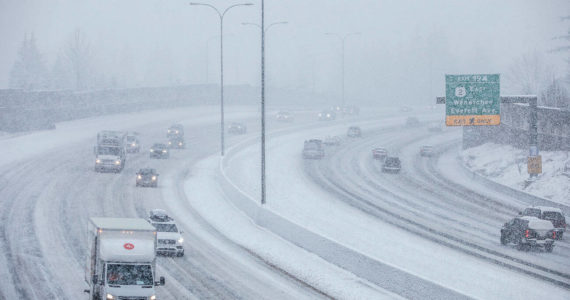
point(342, 39)
point(221, 15)
point(263, 30)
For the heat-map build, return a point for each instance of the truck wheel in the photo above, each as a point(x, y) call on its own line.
point(559, 235)
point(549, 247)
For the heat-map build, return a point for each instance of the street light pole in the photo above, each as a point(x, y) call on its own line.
point(221, 15)
point(263, 32)
point(342, 39)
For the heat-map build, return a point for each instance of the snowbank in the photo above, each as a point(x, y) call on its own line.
point(508, 165)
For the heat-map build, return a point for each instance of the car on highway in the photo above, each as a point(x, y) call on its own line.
point(169, 237)
point(406, 108)
point(354, 131)
point(426, 151)
point(147, 177)
point(313, 149)
point(237, 128)
point(175, 131)
point(351, 110)
point(379, 153)
point(528, 232)
point(133, 143)
point(159, 150)
point(391, 164)
point(412, 122)
point(284, 116)
point(552, 214)
point(332, 141)
point(176, 143)
point(326, 115)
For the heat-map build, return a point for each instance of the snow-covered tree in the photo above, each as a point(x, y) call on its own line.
point(29, 71)
point(528, 75)
point(556, 95)
point(79, 57)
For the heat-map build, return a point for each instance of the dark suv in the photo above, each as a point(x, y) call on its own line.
point(147, 177)
point(554, 215)
point(392, 164)
point(159, 151)
point(527, 232)
point(354, 131)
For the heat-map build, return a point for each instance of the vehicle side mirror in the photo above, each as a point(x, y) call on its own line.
point(161, 282)
point(95, 279)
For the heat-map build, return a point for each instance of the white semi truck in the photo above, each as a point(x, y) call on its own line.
point(110, 151)
point(121, 263)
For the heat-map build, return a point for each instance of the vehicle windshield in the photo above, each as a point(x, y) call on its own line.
point(312, 145)
point(131, 138)
point(392, 160)
point(120, 274)
point(108, 151)
point(158, 146)
point(146, 172)
point(532, 212)
point(552, 215)
point(165, 227)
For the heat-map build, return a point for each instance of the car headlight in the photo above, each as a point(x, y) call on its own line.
point(133, 144)
point(176, 131)
point(153, 297)
point(168, 130)
point(180, 240)
point(117, 162)
point(97, 161)
point(179, 144)
point(151, 150)
point(163, 151)
point(320, 115)
point(153, 177)
point(110, 297)
point(170, 143)
point(328, 115)
point(139, 177)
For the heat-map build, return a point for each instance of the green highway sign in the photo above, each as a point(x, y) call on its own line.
point(472, 100)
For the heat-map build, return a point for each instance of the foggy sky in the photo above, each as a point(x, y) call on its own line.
point(404, 49)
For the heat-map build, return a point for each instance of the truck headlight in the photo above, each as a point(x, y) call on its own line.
point(117, 162)
point(153, 178)
point(180, 240)
point(163, 151)
point(110, 297)
point(139, 177)
point(153, 297)
point(97, 161)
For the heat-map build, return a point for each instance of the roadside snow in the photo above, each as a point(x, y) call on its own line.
point(508, 165)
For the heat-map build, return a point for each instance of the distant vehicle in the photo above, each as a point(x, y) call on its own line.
point(110, 151)
point(133, 143)
point(412, 122)
point(284, 116)
point(159, 151)
point(566, 169)
point(426, 151)
point(435, 127)
point(379, 153)
point(121, 260)
point(332, 141)
point(237, 128)
point(147, 177)
point(175, 131)
point(552, 214)
point(176, 143)
point(327, 115)
point(528, 232)
point(351, 110)
point(170, 241)
point(337, 109)
point(354, 131)
point(313, 149)
point(391, 164)
point(406, 108)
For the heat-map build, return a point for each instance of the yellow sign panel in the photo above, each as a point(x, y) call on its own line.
point(535, 164)
point(472, 120)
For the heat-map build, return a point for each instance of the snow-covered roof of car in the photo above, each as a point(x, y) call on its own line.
point(536, 223)
point(547, 208)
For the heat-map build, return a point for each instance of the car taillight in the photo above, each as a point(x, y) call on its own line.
point(554, 234)
point(526, 233)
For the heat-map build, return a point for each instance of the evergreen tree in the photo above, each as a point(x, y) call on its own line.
point(29, 71)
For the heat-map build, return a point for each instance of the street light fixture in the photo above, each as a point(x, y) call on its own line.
point(343, 39)
point(221, 15)
point(263, 30)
